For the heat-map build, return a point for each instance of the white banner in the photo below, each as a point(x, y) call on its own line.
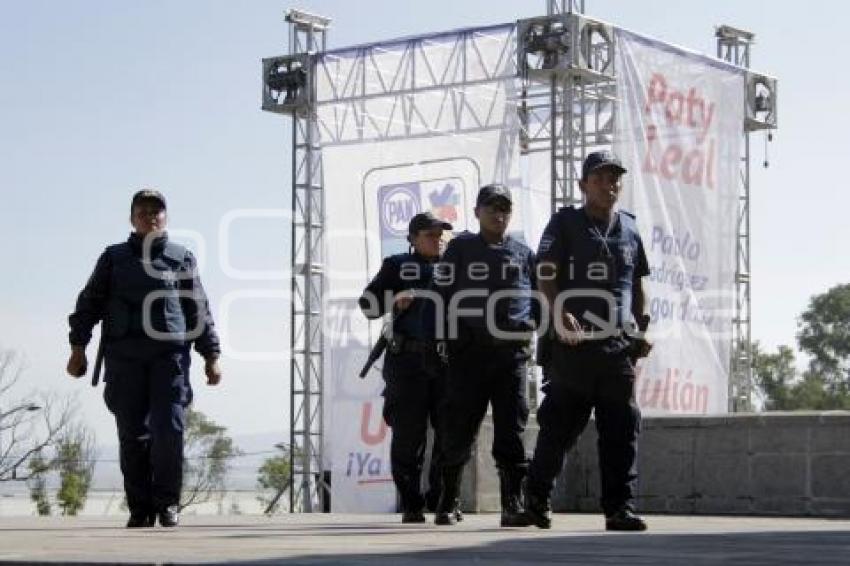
point(679, 129)
point(406, 127)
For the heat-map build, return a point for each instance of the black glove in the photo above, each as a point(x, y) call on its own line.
point(640, 346)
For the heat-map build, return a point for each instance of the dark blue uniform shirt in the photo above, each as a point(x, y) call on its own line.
point(117, 290)
point(594, 264)
point(402, 272)
point(470, 263)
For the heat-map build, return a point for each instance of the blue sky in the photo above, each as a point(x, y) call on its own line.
point(99, 98)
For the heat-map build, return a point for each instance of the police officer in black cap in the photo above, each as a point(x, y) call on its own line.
point(488, 354)
point(591, 261)
point(148, 293)
point(414, 374)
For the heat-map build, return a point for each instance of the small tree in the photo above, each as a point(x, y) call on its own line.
point(774, 375)
point(273, 480)
point(37, 483)
point(28, 422)
point(209, 451)
point(76, 454)
point(824, 333)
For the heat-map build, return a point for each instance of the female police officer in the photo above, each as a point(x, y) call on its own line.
point(147, 292)
point(413, 372)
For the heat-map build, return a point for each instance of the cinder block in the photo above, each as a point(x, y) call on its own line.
point(681, 505)
point(652, 504)
point(779, 439)
point(721, 441)
point(781, 505)
point(661, 442)
point(589, 505)
point(721, 475)
point(669, 475)
point(778, 475)
point(833, 438)
point(830, 507)
point(831, 476)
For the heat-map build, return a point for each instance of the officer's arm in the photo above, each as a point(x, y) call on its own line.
point(536, 307)
point(376, 299)
point(197, 310)
point(444, 283)
point(91, 303)
point(548, 261)
point(639, 301)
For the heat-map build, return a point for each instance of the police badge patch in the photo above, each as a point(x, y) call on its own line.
point(546, 243)
point(628, 252)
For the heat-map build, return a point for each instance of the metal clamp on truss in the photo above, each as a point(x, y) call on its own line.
point(760, 110)
point(566, 44)
point(286, 83)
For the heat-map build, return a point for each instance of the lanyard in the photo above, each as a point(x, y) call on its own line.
point(603, 238)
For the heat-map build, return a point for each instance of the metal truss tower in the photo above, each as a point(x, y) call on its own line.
point(566, 61)
point(733, 46)
point(289, 88)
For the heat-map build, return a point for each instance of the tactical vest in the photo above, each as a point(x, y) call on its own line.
point(132, 281)
point(583, 257)
point(418, 323)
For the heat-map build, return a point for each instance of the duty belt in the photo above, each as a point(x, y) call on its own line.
point(402, 343)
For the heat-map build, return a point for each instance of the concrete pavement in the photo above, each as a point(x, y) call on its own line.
point(382, 540)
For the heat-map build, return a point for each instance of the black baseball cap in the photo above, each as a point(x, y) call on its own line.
point(426, 221)
point(147, 194)
point(598, 160)
point(489, 193)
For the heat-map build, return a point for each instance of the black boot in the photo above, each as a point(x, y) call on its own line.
point(510, 486)
point(141, 519)
point(412, 501)
point(412, 516)
point(169, 516)
point(624, 520)
point(537, 507)
point(447, 508)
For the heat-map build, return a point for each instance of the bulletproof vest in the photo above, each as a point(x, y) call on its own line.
point(593, 264)
point(133, 280)
point(418, 322)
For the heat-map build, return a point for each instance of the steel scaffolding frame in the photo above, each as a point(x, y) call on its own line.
point(565, 103)
point(566, 61)
point(289, 88)
point(733, 46)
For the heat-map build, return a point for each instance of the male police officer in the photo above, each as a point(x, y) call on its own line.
point(147, 292)
point(486, 281)
point(591, 261)
point(414, 374)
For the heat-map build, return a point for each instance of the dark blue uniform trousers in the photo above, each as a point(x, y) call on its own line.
point(481, 375)
point(413, 399)
point(581, 379)
point(148, 397)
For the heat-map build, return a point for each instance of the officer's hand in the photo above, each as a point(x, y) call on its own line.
point(569, 332)
point(443, 351)
point(642, 348)
point(77, 363)
point(403, 299)
point(213, 371)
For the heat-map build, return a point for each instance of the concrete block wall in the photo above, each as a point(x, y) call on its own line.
point(792, 464)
